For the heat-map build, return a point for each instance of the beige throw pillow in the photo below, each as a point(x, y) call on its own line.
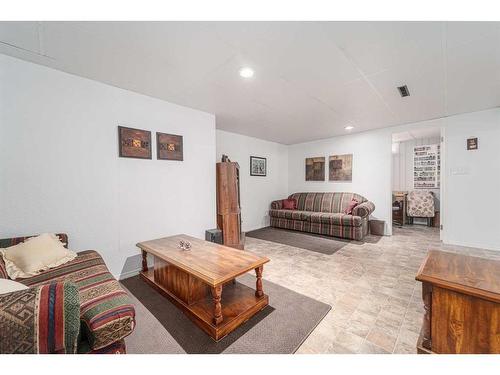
point(35, 255)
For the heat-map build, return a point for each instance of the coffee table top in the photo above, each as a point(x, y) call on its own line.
point(213, 263)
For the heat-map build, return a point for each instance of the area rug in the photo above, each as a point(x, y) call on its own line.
point(280, 328)
point(308, 241)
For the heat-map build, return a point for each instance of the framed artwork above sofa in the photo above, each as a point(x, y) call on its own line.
point(340, 168)
point(315, 169)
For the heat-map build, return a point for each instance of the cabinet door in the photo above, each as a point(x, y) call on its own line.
point(464, 324)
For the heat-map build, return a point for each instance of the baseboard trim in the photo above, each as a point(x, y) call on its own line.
point(478, 245)
point(126, 275)
point(134, 272)
point(250, 230)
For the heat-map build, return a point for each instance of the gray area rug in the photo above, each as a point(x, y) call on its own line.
point(280, 328)
point(308, 241)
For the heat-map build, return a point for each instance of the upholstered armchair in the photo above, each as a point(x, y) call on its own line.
point(420, 203)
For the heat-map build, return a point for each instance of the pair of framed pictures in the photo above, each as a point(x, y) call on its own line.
point(340, 168)
point(136, 143)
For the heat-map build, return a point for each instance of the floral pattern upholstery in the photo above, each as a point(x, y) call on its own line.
point(420, 203)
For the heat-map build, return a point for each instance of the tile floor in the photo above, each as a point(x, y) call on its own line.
point(376, 302)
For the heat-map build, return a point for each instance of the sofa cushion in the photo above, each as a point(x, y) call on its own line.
point(6, 242)
point(325, 202)
point(289, 204)
point(288, 214)
point(106, 312)
point(350, 207)
point(35, 255)
point(336, 219)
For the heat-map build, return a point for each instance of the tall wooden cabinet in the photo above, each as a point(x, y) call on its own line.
point(228, 204)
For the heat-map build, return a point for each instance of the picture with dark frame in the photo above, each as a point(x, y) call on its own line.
point(315, 169)
point(472, 144)
point(340, 168)
point(169, 146)
point(134, 143)
point(258, 166)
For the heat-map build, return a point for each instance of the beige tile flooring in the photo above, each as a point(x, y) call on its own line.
point(376, 302)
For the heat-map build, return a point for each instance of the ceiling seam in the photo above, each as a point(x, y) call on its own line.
point(365, 77)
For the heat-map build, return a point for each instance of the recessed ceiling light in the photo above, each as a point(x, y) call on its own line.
point(349, 127)
point(246, 72)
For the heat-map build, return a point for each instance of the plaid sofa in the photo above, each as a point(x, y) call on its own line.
point(42, 318)
point(323, 213)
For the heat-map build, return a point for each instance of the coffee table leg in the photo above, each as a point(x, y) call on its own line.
point(144, 261)
point(216, 295)
point(258, 272)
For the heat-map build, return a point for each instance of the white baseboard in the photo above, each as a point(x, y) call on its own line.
point(249, 230)
point(478, 245)
point(134, 272)
point(127, 274)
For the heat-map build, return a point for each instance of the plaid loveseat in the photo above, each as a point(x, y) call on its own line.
point(323, 213)
point(78, 307)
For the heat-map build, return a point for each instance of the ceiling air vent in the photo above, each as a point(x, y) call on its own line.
point(403, 90)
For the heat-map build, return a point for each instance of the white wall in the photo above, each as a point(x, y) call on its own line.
point(60, 169)
point(256, 192)
point(472, 187)
point(402, 165)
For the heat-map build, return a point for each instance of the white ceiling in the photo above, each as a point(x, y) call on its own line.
point(418, 133)
point(311, 78)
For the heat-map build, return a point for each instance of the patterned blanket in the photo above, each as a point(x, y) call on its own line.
point(44, 319)
point(106, 311)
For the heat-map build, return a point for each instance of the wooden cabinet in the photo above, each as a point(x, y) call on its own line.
point(228, 204)
point(461, 297)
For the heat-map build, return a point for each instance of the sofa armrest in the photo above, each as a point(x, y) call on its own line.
point(364, 209)
point(46, 319)
point(277, 205)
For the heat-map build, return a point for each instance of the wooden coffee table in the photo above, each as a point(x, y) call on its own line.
point(194, 281)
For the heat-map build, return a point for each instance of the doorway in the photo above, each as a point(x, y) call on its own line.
point(417, 193)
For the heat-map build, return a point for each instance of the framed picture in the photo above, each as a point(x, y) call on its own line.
point(472, 144)
point(315, 169)
point(169, 147)
point(134, 143)
point(258, 166)
point(340, 168)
